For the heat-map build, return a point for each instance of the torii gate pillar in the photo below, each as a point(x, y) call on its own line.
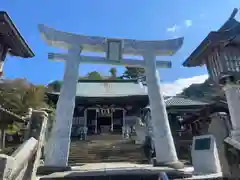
point(57, 153)
point(58, 145)
point(163, 140)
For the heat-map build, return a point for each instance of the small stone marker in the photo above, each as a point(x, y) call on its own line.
point(204, 153)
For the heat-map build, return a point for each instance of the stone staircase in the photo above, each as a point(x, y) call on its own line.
point(105, 148)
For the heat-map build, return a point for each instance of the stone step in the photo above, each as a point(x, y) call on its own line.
point(105, 137)
point(107, 158)
point(89, 157)
point(106, 155)
point(105, 148)
point(108, 150)
point(106, 177)
point(83, 161)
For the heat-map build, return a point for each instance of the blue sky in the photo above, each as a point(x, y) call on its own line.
point(139, 19)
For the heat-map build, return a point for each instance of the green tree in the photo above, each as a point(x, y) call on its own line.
point(134, 73)
point(55, 86)
point(94, 75)
point(18, 95)
point(205, 91)
point(113, 72)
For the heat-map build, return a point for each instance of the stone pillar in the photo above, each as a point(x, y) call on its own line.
point(28, 118)
point(149, 125)
point(96, 122)
point(111, 128)
point(59, 141)
point(150, 129)
point(163, 140)
point(141, 131)
point(123, 123)
point(85, 117)
point(219, 130)
point(232, 93)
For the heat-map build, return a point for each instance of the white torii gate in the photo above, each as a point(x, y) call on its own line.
point(58, 150)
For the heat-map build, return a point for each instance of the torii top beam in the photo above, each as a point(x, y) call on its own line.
point(65, 40)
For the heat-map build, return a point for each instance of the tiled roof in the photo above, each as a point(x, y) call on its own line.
point(228, 33)
point(231, 22)
point(118, 88)
point(180, 101)
point(110, 89)
point(12, 38)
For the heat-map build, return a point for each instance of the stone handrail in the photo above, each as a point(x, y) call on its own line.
point(41, 140)
point(23, 163)
point(14, 167)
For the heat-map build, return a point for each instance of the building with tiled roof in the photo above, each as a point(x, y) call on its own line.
point(111, 102)
point(176, 101)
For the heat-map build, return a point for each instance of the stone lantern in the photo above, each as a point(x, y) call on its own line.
point(220, 52)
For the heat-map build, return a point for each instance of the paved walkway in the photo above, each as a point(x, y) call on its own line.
point(122, 168)
point(113, 168)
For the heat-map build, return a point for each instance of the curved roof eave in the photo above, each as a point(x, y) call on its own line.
point(15, 34)
point(226, 32)
point(64, 40)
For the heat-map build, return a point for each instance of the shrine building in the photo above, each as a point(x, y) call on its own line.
point(109, 105)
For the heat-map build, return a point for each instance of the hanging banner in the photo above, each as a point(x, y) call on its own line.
point(105, 112)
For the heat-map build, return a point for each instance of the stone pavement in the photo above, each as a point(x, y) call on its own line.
point(105, 169)
point(111, 169)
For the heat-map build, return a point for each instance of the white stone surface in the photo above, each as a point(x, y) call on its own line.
point(62, 39)
point(232, 93)
point(233, 142)
point(41, 141)
point(163, 140)
point(205, 161)
point(205, 176)
point(103, 60)
point(123, 168)
point(114, 168)
point(15, 165)
point(218, 128)
point(25, 150)
point(59, 142)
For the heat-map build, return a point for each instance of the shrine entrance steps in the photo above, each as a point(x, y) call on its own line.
point(105, 148)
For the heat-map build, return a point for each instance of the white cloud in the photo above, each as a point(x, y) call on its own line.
point(173, 29)
point(176, 87)
point(188, 23)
